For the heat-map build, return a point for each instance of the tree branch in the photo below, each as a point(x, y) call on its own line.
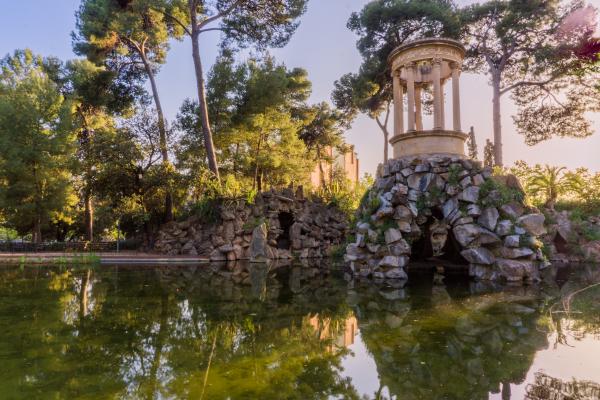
point(218, 15)
point(211, 29)
point(527, 83)
point(176, 20)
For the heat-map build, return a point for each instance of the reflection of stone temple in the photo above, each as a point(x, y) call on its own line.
point(426, 65)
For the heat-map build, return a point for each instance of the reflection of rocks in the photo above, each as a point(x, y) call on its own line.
point(546, 387)
point(444, 342)
point(278, 225)
point(449, 208)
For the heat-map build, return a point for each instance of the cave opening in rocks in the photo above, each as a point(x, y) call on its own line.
point(422, 249)
point(286, 220)
point(562, 246)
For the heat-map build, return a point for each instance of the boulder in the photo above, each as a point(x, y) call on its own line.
point(512, 241)
point(258, 244)
point(465, 234)
point(478, 180)
point(403, 213)
point(392, 235)
point(466, 182)
point(487, 237)
point(406, 172)
point(504, 227)
point(482, 272)
point(533, 224)
point(396, 273)
point(404, 226)
point(450, 208)
point(479, 255)
point(473, 210)
point(400, 248)
point(373, 248)
point(393, 261)
point(517, 270)
point(512, 210)
point(489, 218)
point(383, 212)
point(516, 252)
point(363, 227)
point(470, 194)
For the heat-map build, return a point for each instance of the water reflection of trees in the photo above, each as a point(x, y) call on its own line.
point(236, 331)
point(546, 387)
point(183, 332)
point(572, 311)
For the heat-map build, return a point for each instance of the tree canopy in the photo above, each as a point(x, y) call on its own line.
point(37, 141)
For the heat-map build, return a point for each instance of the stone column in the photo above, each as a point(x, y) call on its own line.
point(443, 109)
point(437, 94)
point(455, 97)
point(418, 112)
point(410, 86)
point(398, 104)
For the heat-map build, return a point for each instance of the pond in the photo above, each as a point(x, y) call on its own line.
point(242, 332)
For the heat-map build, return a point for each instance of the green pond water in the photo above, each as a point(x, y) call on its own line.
point(213, 332)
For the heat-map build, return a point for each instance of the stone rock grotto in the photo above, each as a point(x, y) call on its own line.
point(449, 209)
point(277, 225)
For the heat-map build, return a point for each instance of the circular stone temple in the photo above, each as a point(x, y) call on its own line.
point(419, 65)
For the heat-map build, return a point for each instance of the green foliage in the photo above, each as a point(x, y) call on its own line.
point(253, 223)
point(369, 203)
point(37, 142)
point(590, 232)
point(421, 202)
point(454, 174)
point(346, 195)
point(544, 185)
point(435, 195)
point(494, 194)
point(253, 106)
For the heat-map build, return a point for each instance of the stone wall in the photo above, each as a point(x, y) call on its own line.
point(278, 225)
point(442, 206)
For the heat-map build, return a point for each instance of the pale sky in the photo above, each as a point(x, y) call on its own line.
point(326, 49)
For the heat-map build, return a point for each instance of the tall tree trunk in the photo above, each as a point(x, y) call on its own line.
point(259, 182)
point(386, 133)
point(256, 184)
point(158, 347)
point(89, 215)
point(36, 235)
point(204, 120)
point(83, 295)
point(162, 133)
point(496, 118)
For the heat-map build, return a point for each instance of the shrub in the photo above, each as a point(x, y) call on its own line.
point(504, 194)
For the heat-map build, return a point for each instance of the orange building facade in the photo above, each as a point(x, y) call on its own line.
point(345, 163)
